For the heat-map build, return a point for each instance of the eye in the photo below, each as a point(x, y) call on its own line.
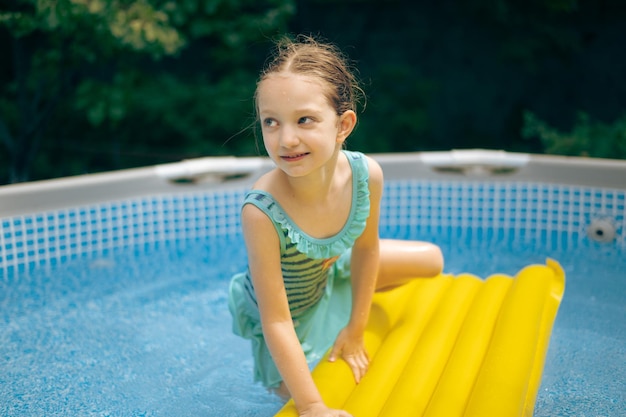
point(269, 122)
point(305, 120)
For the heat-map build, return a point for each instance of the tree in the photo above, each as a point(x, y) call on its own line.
point(91, 62)
point(588, 137)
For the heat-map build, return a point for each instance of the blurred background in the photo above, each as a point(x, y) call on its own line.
point(93, 85)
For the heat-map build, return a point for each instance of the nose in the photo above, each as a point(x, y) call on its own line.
point(288, 137)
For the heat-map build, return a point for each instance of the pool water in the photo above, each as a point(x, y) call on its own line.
point(145, 331)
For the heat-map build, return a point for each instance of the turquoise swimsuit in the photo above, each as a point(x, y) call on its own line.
point(316, 274)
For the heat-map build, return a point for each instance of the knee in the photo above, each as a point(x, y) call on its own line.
point(435, 263)
point(408, 259)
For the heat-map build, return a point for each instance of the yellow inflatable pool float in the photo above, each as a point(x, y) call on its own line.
point(451, 346)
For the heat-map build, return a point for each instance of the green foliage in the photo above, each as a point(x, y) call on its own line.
point(194, 118)
point(83, 71)
point(109, 25)
point(90, 85)
point(395, 119)
point(104, 102)
point(588, 137)
point(529, 30)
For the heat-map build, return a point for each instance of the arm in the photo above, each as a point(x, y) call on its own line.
point(264, 261)
point(364, 269)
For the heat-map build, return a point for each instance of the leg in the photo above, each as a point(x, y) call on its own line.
point(403, 260)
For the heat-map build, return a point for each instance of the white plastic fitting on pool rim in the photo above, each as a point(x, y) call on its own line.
point(209, 167)
point(478, 162)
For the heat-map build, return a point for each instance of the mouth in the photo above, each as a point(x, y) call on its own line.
point(294, 157)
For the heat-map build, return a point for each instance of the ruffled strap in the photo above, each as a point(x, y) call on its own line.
point(328, 247)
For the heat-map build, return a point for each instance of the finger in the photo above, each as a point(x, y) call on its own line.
point(362, 369)
point(358, 367)
point(334, 353)
point(362, 364)
point(360, 360)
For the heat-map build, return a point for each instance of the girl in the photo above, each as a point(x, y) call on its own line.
point(311, 229)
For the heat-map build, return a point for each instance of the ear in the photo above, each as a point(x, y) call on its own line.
point(345, 125)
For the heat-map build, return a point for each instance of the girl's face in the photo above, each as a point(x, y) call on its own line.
point(301, 130)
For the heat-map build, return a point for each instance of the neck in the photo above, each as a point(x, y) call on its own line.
point(316, 186)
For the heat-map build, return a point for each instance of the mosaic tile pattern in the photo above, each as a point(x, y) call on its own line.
point(532, 211)
point(48, 238)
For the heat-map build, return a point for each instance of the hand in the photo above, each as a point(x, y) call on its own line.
point(352, 350)
point(320, 410)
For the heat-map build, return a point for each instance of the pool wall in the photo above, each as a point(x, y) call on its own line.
point(489, 193)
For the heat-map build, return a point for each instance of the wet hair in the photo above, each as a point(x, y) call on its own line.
point(307, 56)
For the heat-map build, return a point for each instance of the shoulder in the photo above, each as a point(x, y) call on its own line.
point(258, 229)
point(255, 220)
point(374, 175)
point(369, 172)
point(256, 207)
point(375, 171)
point(376, 180)
point(266, 181)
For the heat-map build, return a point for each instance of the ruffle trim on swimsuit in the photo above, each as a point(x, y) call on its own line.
point(359, 212)
point(344, 240)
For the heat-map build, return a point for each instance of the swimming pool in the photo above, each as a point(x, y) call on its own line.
point(118, 307)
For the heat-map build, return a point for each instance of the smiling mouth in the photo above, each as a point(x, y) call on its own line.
point(294, 157)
